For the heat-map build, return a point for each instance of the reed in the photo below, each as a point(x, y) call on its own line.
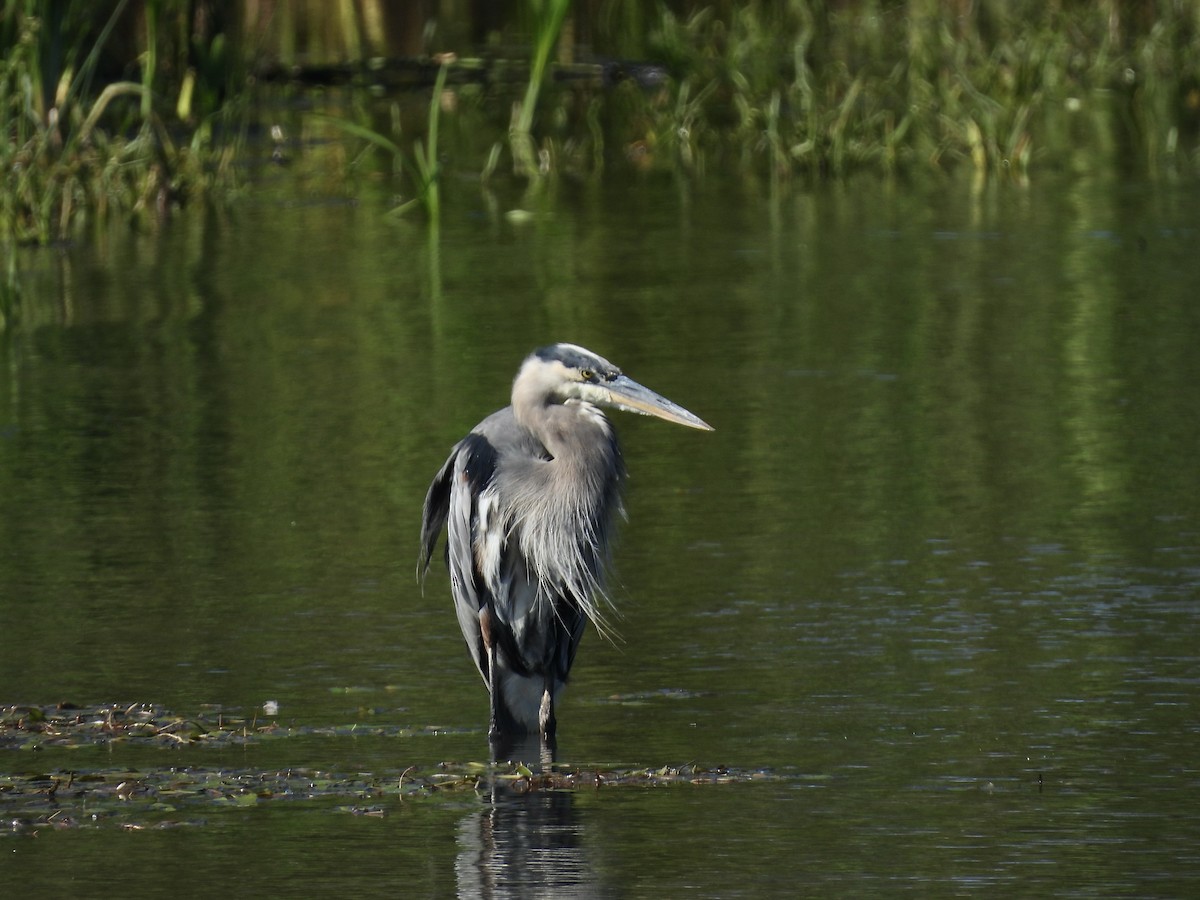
point(548, 17)
point(426, 166)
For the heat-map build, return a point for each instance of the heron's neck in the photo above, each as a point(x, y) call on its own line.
point(572, 431)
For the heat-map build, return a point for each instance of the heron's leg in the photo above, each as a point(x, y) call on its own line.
point(493, 675)
point(546, 713)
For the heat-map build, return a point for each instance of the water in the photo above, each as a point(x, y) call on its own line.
point(930, 590)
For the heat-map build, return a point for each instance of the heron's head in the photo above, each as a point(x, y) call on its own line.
point(563, 373)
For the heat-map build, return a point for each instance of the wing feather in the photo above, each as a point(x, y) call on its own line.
point(453, 501)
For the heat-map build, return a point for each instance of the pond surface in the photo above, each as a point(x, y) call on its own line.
point(931, 591)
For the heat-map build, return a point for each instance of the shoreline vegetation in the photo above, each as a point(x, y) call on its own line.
point(121, 111)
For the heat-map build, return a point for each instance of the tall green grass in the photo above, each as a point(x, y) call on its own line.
point(826, 89)
point(548, 16)
point(76, 151)
point(786, 88)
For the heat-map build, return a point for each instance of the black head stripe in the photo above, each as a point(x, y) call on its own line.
point(577, 358)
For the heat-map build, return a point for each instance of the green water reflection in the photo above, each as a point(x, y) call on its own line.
point(938, 566)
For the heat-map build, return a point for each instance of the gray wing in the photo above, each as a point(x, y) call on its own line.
point(452, 501)
point(491, 495)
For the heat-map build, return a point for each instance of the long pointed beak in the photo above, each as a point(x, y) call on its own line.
point(627, 394)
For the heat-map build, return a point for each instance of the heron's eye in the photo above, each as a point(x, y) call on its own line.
point(586, 374)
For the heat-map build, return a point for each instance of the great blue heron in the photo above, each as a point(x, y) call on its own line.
point(528, 499)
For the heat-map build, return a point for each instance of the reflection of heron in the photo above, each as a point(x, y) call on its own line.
point(528, 500)
point(526, 845)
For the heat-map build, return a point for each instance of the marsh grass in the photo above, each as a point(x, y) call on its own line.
point(804, 88)
point(70, 157)
point(816, 90)
point(819, 90)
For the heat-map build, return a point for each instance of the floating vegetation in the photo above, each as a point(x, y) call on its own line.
point(68, 726)
point(172, 795)
point(644, 698)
